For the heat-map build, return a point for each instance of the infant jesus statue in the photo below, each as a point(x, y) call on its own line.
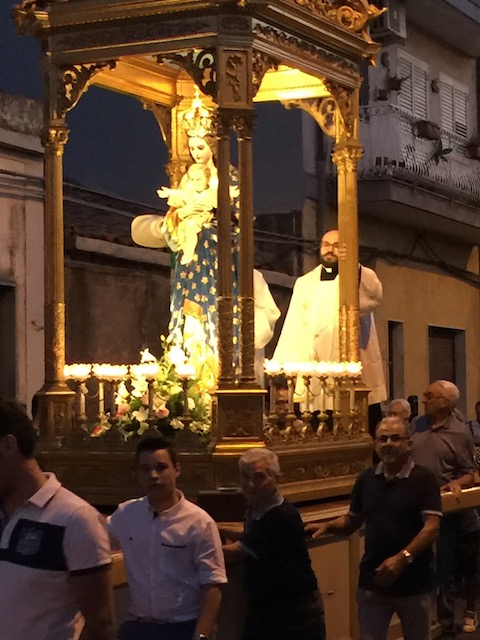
point(190, 208)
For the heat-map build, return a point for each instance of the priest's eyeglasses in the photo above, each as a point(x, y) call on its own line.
point(394, 437)
point(329, 245)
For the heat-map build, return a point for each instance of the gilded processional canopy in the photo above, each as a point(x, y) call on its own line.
point(304, 53)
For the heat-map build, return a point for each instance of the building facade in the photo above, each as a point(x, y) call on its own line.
point(419, 192)
point(21, 236)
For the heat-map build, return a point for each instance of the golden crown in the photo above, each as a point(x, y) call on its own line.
point(197, 120)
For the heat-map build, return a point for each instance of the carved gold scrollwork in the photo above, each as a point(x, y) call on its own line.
point(243, 123)
point(233, 69)
point(306, 49)
point(344, 99)
point(322, 110)
point(346, 158)
point(201, 66)
point(260, 65)
point(54, 138)
point(24, 13)
point(163, 116)
point(222, 122)
point(357, 15)
point(354, 15)
point(73, 82)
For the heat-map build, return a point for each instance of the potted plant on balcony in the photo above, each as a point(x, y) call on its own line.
point(426, 129)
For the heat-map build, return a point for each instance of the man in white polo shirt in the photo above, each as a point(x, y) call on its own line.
point(54, 549)
point(173, 554)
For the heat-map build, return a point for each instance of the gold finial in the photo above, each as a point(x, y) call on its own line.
point(197, 121)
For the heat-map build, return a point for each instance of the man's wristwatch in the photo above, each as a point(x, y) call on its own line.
point(408, 556)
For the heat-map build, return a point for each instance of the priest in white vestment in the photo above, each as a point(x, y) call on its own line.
point(311, 330)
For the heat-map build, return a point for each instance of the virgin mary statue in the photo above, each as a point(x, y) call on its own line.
point(190, 230)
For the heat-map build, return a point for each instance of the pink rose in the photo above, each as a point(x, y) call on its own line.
point(123, 408)
point(163, 412)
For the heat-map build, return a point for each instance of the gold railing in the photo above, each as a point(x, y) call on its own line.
point(324, 403)
point(99, 405)
point(328, 402)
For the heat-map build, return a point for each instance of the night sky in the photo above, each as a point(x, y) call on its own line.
point(116, 147)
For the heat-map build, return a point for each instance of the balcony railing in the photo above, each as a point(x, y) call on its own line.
point(392, 148)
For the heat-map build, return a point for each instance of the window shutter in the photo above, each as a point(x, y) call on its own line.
point(420, 94)
point(413, 96)
point(446, 106)
point(460, 111)
point(405, 97)
point(453, 108)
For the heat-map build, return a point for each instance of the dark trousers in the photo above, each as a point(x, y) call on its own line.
point(144, 630)
point(457, 556)
point(303, 619)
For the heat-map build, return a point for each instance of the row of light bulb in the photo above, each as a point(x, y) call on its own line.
point(115, 372)
point(323, 368)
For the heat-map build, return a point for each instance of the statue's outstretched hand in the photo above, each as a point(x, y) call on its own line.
point(164, 192)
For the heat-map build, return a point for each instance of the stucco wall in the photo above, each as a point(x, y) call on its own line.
point(114, 311)
point(21, 257)
point(420, 299)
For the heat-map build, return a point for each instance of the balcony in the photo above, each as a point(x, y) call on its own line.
point(413, 180)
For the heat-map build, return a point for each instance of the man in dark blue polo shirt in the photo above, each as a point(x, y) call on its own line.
point(399, 502)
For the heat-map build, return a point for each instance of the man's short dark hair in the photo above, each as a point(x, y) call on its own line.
point(154, 443)
point(14, 421)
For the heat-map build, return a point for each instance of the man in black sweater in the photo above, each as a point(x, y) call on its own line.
point(399, 502)
point(283, 600)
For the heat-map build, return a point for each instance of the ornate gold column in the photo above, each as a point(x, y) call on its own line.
point(346, 154)
point(244, 126)
point(238, 407)
point(55, 397)
point(224, 284)
point(346, 157)
point(63, 88)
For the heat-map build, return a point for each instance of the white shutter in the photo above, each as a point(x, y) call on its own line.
point(413, 96)
point(446, 106)
point(420, 93)
point(405, 97)
point(453, 106)
point(460, 112)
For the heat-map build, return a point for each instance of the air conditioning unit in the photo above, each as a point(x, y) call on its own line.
point(391, 25)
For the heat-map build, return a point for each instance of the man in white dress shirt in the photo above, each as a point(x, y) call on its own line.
point(173, 554)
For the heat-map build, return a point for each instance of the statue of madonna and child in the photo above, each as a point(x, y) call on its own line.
point(189, 229)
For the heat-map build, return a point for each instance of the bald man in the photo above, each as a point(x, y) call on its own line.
point(311, 328)
point(443, 444)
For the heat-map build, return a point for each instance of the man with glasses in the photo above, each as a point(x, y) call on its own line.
point(443, 444)
point(311, 328)
point(399, 502)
